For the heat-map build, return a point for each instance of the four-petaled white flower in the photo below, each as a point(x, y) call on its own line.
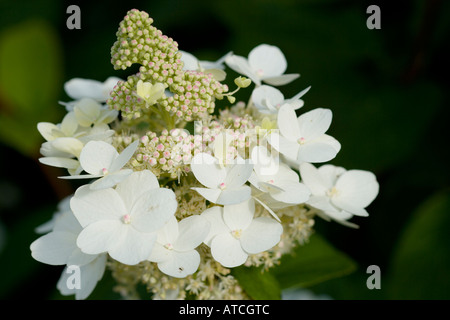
point(224, 184)
point(213, 67)
point(276, 178)
point(268, 99)
point(339, 193)
point(303, 139)
point(174, 250)
point(78, 88)
point(265, 63)
point(101, 160)
point(123, 221)
point(235, 233)
point(59, 247)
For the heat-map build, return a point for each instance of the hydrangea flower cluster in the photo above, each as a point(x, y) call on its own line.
point(177, 194)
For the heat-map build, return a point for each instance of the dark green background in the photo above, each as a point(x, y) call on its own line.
point(388, 90)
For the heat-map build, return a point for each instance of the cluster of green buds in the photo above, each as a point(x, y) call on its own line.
point(187, 95)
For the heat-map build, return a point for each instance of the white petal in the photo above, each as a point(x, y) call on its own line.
point(239, 216)
point(69, 145)
point(159, 253)
point(101, 236)
point(314, 123)
point(233, 196)
point(261, 93)
point(132, 246)
point(96, 156)
point(108, 86)
point(181, 264)
point(217, 225)
point(288, 124)
point(107, 116)
point(90, 274)
point(47, 129)
point(267, 59)
point(211, 195)
point(86, 111)
point(265, 164)
point(265, 206)
point(297, 104)
point(78, 88)
point(169, 232)
point(262, 234)
point(54, 248)
point(238, 174)
point(60, 162)
point(312, 178)
point(69, 124)
point(330, 173)
point(80, 176)
point(349, 207)
point(357, 187)
point(79, 258)
point(338, 215)
point(151, 211)
point(322, 203)
point(190, 61)
point(294, 192)
point(90, 206)
point(207, 170)
point(316, 152)
point(192, 232)
point(218, 74)
point(241, 65)
point(281, 80)
point(111, 179)
point(298, 95)
point(227, 250)
point(284, 146)
point(135, 185)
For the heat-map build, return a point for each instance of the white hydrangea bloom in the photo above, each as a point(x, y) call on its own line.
point(101, 160)
point(265, 63)
point(224, 184)
point(64, 141)
point(174, 250)
point(276, 178)
point(123, 221)
point(268, 99)
point(303, 139)
point(235, 233)
point(338, 193)
point(59, 247)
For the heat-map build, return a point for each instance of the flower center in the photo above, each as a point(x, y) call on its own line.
point(105, 171)
point(237, 233)
point(168, 246)
point(222, 186)
point(301, 140)
point(332, 192)
point(126, 219)
point(260, 72)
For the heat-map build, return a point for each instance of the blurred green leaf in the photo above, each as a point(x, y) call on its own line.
point(421, 260)
point(30, 82)
point(257, 284)
point(316, 261)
